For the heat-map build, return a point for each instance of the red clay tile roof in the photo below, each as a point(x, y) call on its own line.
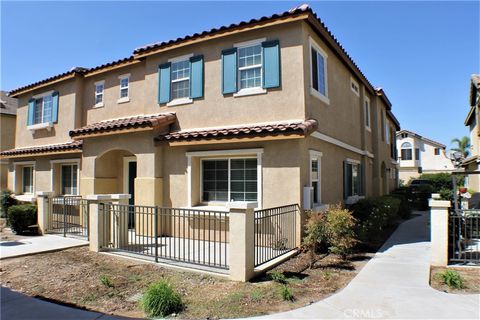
point(265, 129)
point(151, 121)
point(68, 146)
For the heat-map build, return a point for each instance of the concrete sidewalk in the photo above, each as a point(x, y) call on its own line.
point(17, 306)
point(393, 284)
point(37, 244)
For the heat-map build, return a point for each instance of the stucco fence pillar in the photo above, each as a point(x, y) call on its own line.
point(107, 229)
point(242, 245)
point(439, 231)
point(44, 207)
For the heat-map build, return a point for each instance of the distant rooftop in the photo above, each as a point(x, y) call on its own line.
point(416, 135)
point(8, 105)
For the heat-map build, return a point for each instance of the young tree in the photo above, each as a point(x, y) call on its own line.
point(463, 146)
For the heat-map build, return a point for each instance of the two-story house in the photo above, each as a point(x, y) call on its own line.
point(418, 154)
point(8, 113)
point(472, 163)
point(254, 111)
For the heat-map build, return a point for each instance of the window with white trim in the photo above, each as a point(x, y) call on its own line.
point(318, 66)
point(27, 179)
point(180, 74)
point(315, 177)
point(69, 179)
point(352, 179)
point(43, 109)
point(387, 132)
point(124, 87)
point(367, 113)
point(99, 87)
point(232, 179)
point(406, 151)
point(250, 66)
point(437, 151)
point(354, 86)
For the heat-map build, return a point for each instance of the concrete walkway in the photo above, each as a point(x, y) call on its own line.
point(393, 284)
point(38, 244)
point(17, 306)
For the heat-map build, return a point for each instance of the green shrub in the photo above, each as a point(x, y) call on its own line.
point(452, 279)
point(441, 180)
point(446, 194)
point(160, 300)
point(315, 235)
point(340, 230)
point(21, 216)
point(277, 277)
point(106, 281)
point(405, 207)
point(6, 201)
point(286, 293)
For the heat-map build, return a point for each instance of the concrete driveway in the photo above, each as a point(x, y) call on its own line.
point(393, 285)
point(32, 245)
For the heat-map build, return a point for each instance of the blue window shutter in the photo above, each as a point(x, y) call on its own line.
point(271, 64)
point(31, 112)
point(54, 107)
point(229, 71)
point(164, 83)
point(196, 77)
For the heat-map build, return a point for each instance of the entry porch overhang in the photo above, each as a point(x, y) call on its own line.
point(60, 148)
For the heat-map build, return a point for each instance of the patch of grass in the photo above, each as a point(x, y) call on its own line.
point(326, 275)
point(106, 281)
point(286, 293)
point(135, 278)
point(277, 277)
point(161, 300)
point(91, 297)
point(452, 279)
point(256, 295)
point(236, 297)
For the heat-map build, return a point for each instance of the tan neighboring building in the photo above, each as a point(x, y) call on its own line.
point(271, 111)
point(8, 114)
point(472, 163)
point(418, 154)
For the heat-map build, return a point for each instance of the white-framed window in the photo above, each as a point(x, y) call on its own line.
point(124, 88)
point(99, 89)
point(43, 108)
point(406, 151)
point(318, 72)
point(367, 113)
point(69, 179)
point(315, 176)
point(352, 178)
point(387, 132)
point(229, 179)
point(27, 179)
point(355, 87)
point(437, 151)
point(249, 67)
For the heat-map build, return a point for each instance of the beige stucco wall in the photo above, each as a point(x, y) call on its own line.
point(7, 141)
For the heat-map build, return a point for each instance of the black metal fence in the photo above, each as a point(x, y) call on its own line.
point(198, 237)
point(69, 216)
point(275, 232)
point(464, 236)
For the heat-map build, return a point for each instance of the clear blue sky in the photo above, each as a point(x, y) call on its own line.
point(421, 53)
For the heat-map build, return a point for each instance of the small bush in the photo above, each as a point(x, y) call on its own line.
point(441, 180)
point(446, 194)
point(21, 216)
point(452, 279)
point(106, 281)
point(6, 201)
point(160, 300)
point(277, 277)
point(286, 293)
point(315, 234)
point(340, 230)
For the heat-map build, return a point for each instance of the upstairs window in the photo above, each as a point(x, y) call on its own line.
point(354, 86)
point(99, 87)
point(124, 88)
point(250, 66)
point(417, 154)
point(319, 72)
point(437, 151)
point(43, 109)
point(406, 151)
point(180, 79)
point(367, 113)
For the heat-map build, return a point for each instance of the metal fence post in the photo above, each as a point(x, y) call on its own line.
point(64, 217)
point(155, 232)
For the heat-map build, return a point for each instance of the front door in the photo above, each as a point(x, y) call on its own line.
point(132, 174)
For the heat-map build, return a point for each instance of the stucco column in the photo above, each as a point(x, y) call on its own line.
point(119, 221)
point(439, 231)
point(242, 245)
point(44, 210)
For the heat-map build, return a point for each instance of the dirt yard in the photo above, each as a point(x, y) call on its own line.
point(74, 277)
point(470, 277)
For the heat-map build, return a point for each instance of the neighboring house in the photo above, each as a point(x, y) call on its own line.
point(419, 155)
point(472, 163)
point(8, 114)
point(254, 111)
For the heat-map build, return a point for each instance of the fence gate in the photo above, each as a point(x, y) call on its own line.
point(464, 236)
point(68, 216)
